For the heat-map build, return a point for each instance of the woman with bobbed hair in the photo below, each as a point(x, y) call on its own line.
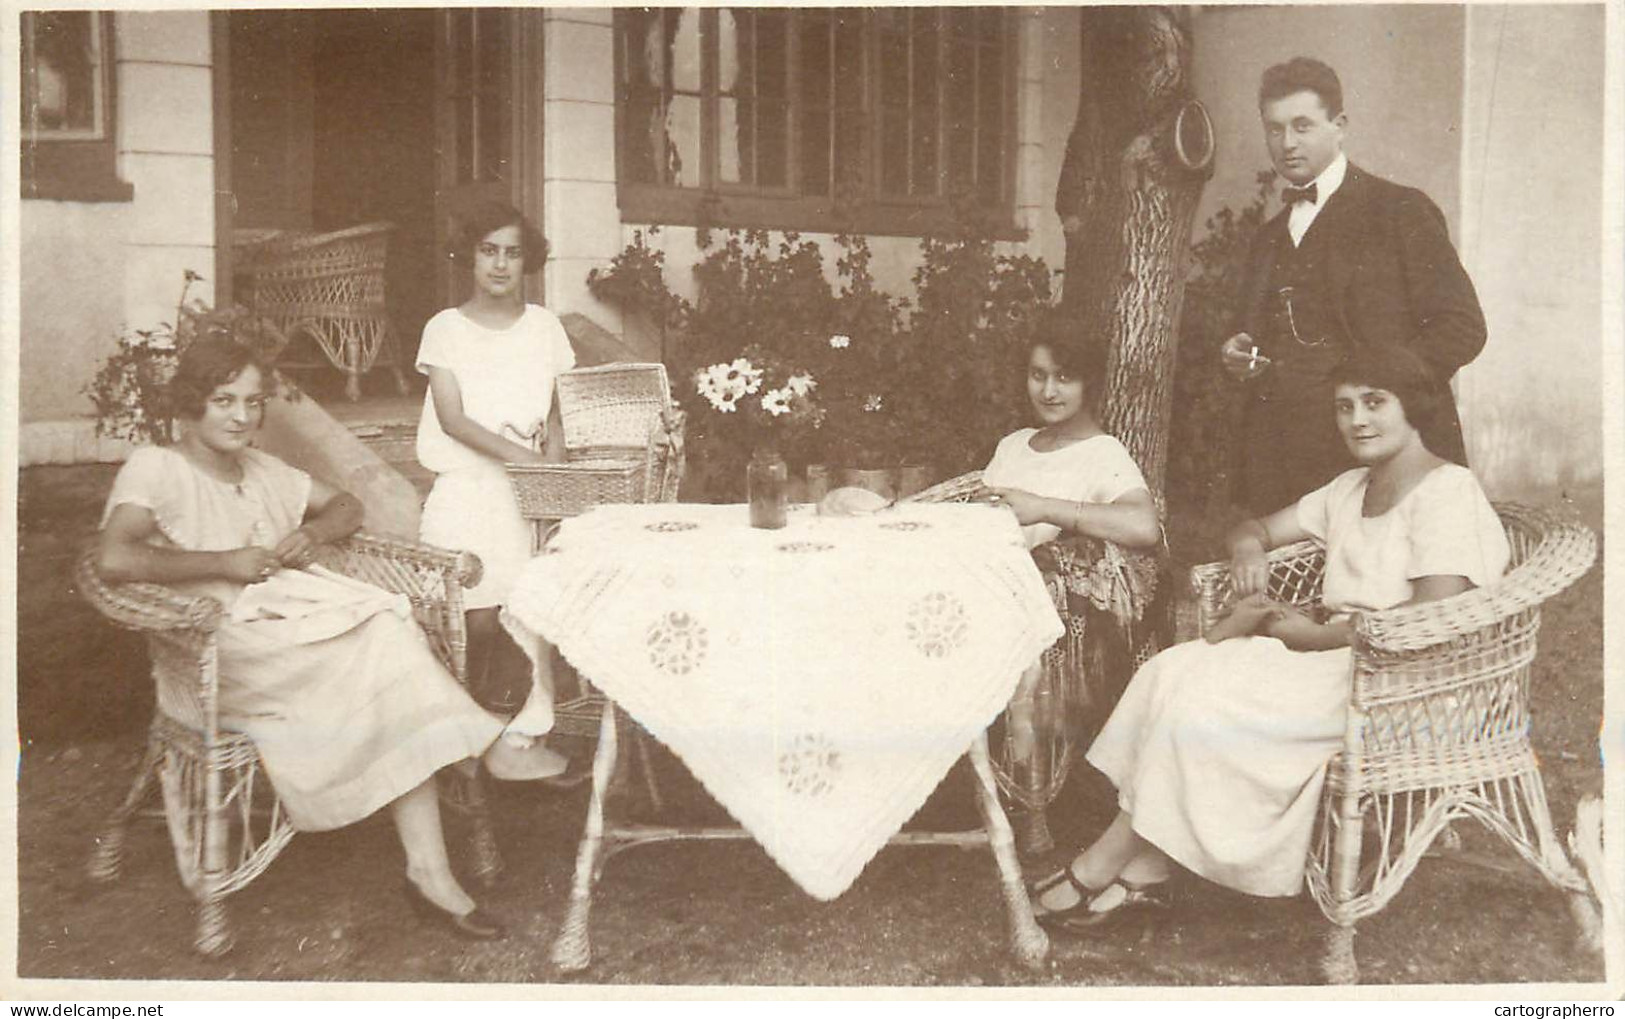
point(492, 362)
point(1218, 747)
point(346, 702)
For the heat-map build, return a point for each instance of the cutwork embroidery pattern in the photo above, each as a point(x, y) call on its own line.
point(937, 624)
point(677, 643)
point(671, 526)
point(810, 765)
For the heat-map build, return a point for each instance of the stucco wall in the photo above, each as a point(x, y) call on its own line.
point(72, 301)
point(1401, 68)
point(90, 269)
point(1531, 238)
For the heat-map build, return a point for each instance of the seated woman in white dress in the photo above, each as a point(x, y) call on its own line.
point(1219, 746)
point(1066, 476)
point(341, 693)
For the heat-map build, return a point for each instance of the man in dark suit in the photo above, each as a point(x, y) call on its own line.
point(1350, 260)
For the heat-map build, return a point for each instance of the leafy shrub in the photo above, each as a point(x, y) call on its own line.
point(130, 387)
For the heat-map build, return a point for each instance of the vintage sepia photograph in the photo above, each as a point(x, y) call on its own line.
point(1021, 498)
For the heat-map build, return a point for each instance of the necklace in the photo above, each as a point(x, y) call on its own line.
point(215, 474)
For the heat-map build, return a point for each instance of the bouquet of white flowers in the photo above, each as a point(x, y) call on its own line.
point(768, 394)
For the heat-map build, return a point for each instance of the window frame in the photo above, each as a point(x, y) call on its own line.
point(717, 205)
point(68, 168)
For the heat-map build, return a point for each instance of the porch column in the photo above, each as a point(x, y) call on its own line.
point(581, 216)
point(166, 152)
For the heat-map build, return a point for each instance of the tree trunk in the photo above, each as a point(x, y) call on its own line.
point(1141, 150)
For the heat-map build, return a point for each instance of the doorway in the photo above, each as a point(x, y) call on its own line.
point(344, 117)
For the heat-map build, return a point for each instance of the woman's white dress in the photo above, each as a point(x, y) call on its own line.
point(1219, 751)
point(1097, 469)
point(505, 377)
point(343, 696)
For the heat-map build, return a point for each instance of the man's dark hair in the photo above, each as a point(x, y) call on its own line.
point(1400, 371)
point(488, 217)
point(1302, 74)
point(206, 365)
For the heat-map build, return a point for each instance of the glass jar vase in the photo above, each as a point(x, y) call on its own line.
point(767, 486)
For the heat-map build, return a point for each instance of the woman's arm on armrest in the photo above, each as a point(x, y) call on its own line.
point(1130, 521)
point(124, 555)
point(330, 515)
point(1250, 540)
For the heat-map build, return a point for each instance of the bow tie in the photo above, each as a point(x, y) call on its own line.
point(1291, 195)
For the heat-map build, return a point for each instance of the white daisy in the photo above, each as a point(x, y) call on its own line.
point(776, 401)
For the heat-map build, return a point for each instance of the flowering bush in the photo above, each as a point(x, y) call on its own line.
point(130, 387)
point(938, 384)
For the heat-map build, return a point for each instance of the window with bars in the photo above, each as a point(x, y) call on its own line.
point(869, 119)
point(67, 107)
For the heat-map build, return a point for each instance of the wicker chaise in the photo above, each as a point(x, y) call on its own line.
point(1438, 725)
point(225, 822)
point(1080, 573)
point(330, 287)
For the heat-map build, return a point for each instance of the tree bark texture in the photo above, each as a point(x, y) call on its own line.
point(1140, 151)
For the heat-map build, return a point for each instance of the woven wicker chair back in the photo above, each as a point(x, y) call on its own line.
point(332, 275)
point(611, 409)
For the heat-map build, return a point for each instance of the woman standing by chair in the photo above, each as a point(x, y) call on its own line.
point(491, 363)
point(336, 684)
point(1219, 746)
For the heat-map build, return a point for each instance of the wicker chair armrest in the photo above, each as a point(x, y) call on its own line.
point(958, 489)
point(1566, 551)
point(1291, 566)
point(349, 555)
point(146, 607)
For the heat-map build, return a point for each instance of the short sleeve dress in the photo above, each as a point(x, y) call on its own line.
point(348, 714)
point(1097, 469)
point(1219, 751)
point(505, 377)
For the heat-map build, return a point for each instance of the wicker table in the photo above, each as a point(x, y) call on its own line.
point(819, 680)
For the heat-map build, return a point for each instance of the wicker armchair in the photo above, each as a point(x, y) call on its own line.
point(330, 287)
point(611, 416)
point(225, 822)
point(1102, 593)
point(1438, 725)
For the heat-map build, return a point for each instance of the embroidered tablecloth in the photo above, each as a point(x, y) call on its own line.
point(819, 680)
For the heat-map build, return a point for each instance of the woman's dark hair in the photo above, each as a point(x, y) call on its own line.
point(1302, 74)
point(1080, 356)
point(486, 218)
point(1398, 370)
point(206, 365)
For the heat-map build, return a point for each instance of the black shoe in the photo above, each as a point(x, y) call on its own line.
point(474, 924)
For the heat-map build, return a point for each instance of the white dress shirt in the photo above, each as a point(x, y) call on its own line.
point(1304, 213)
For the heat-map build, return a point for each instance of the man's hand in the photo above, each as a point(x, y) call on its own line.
point(1241, 357)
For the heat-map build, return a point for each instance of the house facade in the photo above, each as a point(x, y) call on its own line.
point(172, 134)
